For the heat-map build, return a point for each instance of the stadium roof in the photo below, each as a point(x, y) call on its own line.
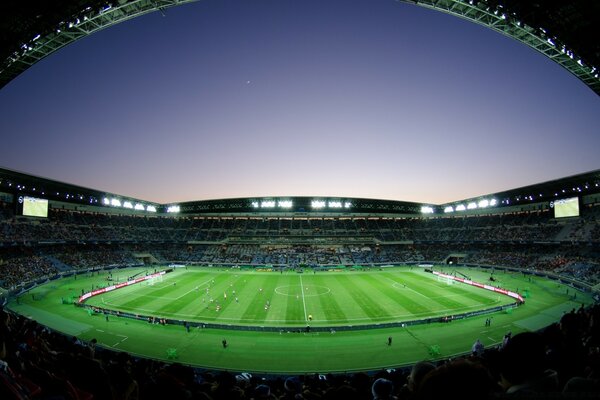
point(565, 31)
point(21, 184)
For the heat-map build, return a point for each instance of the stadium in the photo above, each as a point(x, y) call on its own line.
point(111, 296)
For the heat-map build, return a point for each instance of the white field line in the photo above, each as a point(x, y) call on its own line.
point(406, 287)
point(120, 341)
point(191, 290)
point(303, 300)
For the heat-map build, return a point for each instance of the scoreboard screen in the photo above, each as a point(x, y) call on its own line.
point(566, 208)
point(33, 207)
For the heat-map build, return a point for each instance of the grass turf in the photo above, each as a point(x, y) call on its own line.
point(331, 298)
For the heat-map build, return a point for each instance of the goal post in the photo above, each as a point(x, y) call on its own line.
point(445, 279)
point(155, 279)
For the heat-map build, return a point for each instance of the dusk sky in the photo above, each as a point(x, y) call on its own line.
point(244, 98)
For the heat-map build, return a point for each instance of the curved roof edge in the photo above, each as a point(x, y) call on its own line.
point(565, 32)
point(15, 183)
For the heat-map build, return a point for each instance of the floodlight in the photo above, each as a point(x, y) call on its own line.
point(317, 203)
point(173, 209)
point(335, 204)
point(460, 207)
point(483, 203)
point(347, 204)
point(285, 203)
point(426, 210)
point(267, 204)
point(471, 205)
point(448, 209)
point(127, 204)
point(493, 202)
point(255, 204)
point(106, 201)
point(151, 209)
point(115, 202)
point(139, 206)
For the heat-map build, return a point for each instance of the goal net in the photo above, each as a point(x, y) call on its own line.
point(154, 280)
point(445, 279)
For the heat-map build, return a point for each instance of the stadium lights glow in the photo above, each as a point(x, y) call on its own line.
point(335, 204)
point(255, 204)
point(138, 206)
point(471, 206)
point(483, 203)
point(267, 204)
point(317, 203)
point(285, 203)
point(347, 204)
point(493, 202)
point(115, 202)
point(426, 210)
point(106, 201)
point(460, 207)
point(151, 209)
point(448, 209)
point(127, 204)
point(173, 209)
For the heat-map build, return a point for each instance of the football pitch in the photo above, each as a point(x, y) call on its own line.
point(264, 316)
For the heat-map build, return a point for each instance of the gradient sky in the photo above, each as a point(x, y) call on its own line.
point(239, 98)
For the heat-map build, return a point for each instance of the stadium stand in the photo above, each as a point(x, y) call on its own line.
point(38, 362)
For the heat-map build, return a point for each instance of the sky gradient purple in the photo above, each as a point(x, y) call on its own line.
point(237, 98)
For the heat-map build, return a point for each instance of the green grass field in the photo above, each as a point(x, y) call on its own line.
point(291, 301)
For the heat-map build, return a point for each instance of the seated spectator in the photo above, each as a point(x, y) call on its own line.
point(382, 389)
point(460, 379)
point(523, 369)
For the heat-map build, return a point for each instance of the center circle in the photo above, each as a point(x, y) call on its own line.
point(302, 291)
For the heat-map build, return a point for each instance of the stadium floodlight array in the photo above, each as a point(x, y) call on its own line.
point(114, 202)
point(426, 210)
point(472, 205)
point(270, 203)
point(285, 203)
point(318, 204)
point(173, 208)
point(267, 204)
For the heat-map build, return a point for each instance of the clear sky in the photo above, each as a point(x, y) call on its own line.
point(243, 98)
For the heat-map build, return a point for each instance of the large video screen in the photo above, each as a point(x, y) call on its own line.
point(566, 208)
point(34, 207)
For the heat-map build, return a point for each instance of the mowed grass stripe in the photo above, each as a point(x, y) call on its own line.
point(159, 299)
point(320, 303)
point(256, 304)
point(331, 311)
point(364, 300)
point(400, 302)
point(294, 311)
point(449, 297)
point(437, 295)
point(201, 307)
point(185, 291)
point(411, 303)
point(150, 296)
point(470, 295)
